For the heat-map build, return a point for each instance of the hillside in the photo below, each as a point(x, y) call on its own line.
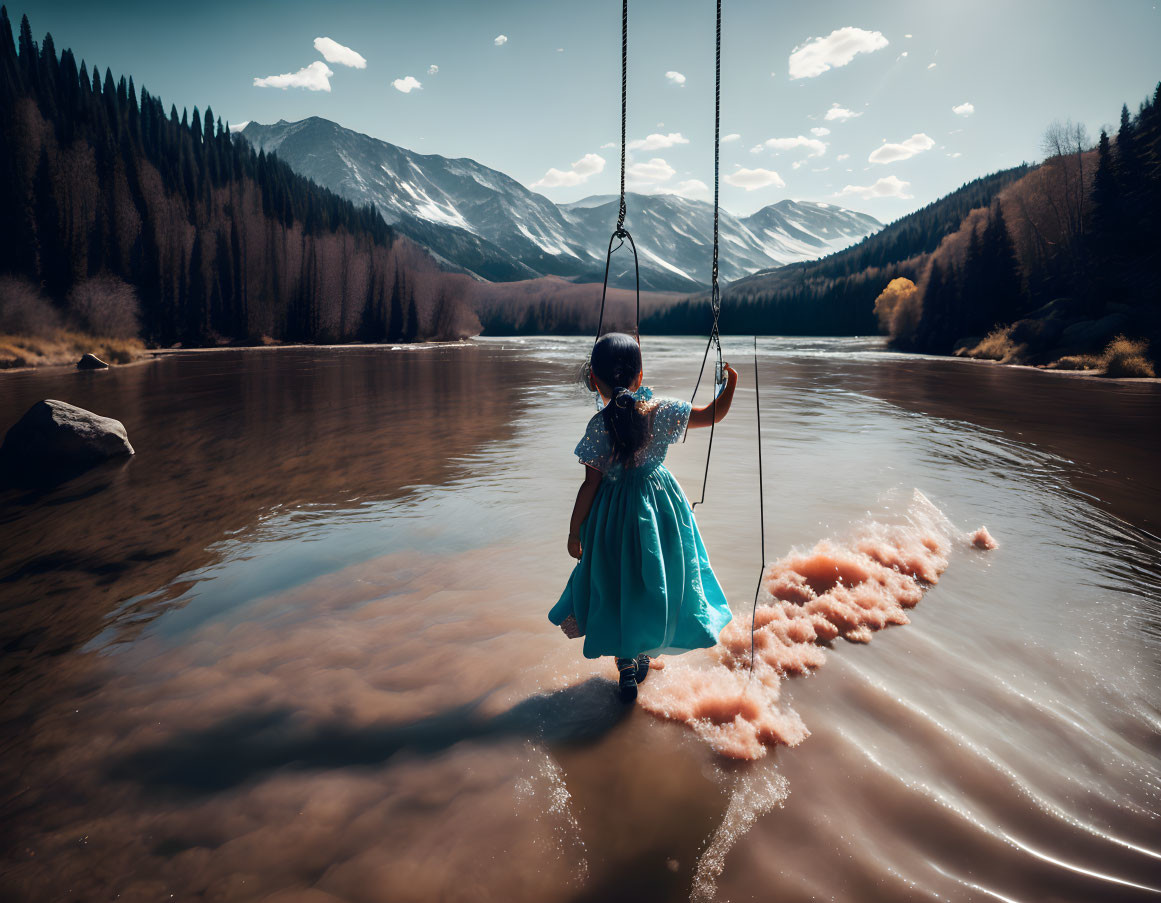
point(119, 217)
point(1059, 264)
point(835, 295)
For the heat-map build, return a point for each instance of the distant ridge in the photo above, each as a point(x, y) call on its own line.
point(487, 223)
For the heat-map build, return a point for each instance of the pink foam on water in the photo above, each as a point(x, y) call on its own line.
point(738, 719)
point(982, 539)
point(846, 590)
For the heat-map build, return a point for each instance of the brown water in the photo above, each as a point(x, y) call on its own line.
point(296, 648)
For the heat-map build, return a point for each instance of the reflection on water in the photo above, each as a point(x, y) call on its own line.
point(296, 648)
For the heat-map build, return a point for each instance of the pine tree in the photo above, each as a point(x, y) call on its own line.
point(110, 97)
point(411, 332)
point(53, 265)
point(1106, 214)
point(9, 64)
point(1003, 283)
point(197, 295)
point(395, 320)
point(28, 53)
point(931, 333)
point(972, 313)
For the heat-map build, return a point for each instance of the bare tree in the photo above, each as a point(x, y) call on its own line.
point(106, 306)
point(24, 311)
point(1064, 145)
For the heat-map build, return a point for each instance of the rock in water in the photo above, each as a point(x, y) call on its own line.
point(55, 438)
point(91, 362)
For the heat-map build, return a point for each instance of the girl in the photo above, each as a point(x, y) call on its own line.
point(643, 585)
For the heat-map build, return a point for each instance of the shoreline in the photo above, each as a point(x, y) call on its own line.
point(152, 354)
point(1075, 374)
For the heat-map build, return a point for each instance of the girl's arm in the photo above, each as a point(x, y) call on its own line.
point(715, 412)
point(584, 501)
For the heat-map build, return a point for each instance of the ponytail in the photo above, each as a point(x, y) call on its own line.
point(616, 361)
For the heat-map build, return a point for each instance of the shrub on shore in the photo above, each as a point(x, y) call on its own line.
point(1078, 362)
point(996, 346)
point(102, 319)
point(1127, 358)
point(65, 346)
point(24, 310)
point(1122, 358)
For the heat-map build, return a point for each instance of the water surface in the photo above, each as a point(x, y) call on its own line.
point(296, 648)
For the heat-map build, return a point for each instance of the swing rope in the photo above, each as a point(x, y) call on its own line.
point(715, 340)
point(761, 511)
point(620, 233)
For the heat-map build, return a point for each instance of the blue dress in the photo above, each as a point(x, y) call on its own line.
point(644, 582)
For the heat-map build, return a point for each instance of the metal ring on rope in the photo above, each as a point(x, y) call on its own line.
point(621, 235)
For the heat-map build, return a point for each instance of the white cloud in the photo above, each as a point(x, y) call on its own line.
point(655, 170)
point(838, 48)
point(733, 136)
point(931, 65)
point(334, 52)
point(843, 157)
point(906, 35)
point(752, 179)
point(657, 141)
point(797, 163)
point(608, 144)
point(886, 187)
point(817, 148)
point(675, 77)
point(842, 114)
point(964, 109)
point(315, 77)
point(819, 131)
point(588, 165)
point(956, 154)
point(690, 188)
point(433, 69)
point(407, 84)
point(500, 40)
point(891, 153)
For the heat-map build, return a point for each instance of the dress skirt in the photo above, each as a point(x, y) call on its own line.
point(644, 582)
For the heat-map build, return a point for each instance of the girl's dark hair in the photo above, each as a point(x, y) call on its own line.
point(616, 361)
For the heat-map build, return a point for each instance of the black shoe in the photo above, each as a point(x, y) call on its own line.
point(627, 685)
point(642, 667)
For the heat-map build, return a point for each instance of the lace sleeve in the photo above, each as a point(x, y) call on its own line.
point(670, 420)
point(595, 448)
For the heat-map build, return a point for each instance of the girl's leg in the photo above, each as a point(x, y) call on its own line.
point(627, 682)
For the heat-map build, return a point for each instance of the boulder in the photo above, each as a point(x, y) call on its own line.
point(91, 362)
point(59, 439)
point(1093, 335)
point(1065, 308)
point(1037, 335)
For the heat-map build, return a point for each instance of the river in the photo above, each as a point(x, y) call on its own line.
point(295, 649)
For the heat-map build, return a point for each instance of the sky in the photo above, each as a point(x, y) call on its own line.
point(880, 107)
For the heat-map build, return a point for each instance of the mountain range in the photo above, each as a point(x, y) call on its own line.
point(481, 221)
